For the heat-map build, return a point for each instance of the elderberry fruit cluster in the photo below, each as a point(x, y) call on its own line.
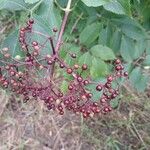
point(39, 77)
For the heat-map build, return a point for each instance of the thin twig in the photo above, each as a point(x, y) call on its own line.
point(63, 25)
point(76, 22)
point(52, 45)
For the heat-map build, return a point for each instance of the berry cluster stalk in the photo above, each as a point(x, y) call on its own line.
point(59, 40)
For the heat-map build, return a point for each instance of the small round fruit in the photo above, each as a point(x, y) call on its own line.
point(61, 66)
point(86, 82)
point(55, 29)
point(70, 87)
point(125, 74)
point(84, 67)
point(73, 55)
point(49, 62)
point(69, 71)
point(31, 21)
point(61, 112)
point(110, 79)
point(34, 43)
point(99, 87)
point(76, 66)
point(79, 79)
point(117, 61)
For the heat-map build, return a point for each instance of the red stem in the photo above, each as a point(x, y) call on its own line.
point(59, 41)
point(63, 25)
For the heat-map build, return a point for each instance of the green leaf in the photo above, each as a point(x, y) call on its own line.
point(12, 43)
point(90, 33)
point(142, 83)
point(69, 60)
point(133, 32)
point(147, 61)
point(142, 8)
point(125, 20)
point(98, 68)
point(103, 52)
point(140, 47)
point(86, 58)
point(48, 12)
point(62, 3)
point(43, 27)
point(31, 1)
point(69, 48)
point(148, 47)
point(131, 49)
point(135, 75)
point(95, 3)
point(109, 32)
point(115, 7)
point(106, 35)
point(138, 80)
point(126, 5)
point(127, 49)
point(13, 5)
point(130, 27)
point(64, 86)
point(96, 94)
point(116, 41)
point(103, 37)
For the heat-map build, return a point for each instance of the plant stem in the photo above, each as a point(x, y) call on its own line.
point(68, 6)
point(59, 40)
point(63, 25)
point(76, 22)
point(52, 45)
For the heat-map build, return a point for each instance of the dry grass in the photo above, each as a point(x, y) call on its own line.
point(31, 127)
